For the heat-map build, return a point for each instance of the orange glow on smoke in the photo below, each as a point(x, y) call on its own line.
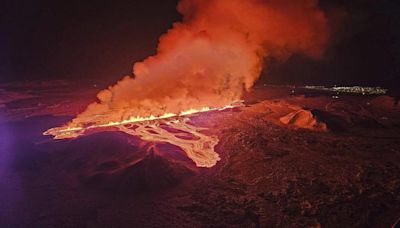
point(207, 60)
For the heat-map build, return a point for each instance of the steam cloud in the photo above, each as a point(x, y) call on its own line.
point(212, 56)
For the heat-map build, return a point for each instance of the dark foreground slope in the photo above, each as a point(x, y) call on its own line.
point(271, 174)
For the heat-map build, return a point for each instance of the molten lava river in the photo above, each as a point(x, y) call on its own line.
point(175, 129)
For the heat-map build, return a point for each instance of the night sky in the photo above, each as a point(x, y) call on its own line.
point(43, 40)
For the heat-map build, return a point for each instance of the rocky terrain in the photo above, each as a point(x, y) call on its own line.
point(286, 161)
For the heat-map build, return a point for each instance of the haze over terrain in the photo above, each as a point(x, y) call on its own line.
point(100, 41)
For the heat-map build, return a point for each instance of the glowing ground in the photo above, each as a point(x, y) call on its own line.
point(174, 129)
point(269, 173)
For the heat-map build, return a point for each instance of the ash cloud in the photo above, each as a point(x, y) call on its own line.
point(214, 54)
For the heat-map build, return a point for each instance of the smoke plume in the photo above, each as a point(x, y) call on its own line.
point(209, 58)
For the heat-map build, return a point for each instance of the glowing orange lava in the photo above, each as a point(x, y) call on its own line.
point(207, 60)
point(198, 146)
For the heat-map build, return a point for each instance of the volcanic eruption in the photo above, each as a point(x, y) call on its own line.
point(205, 62)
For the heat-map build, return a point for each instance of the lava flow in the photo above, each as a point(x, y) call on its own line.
point(208, 59)
point(168, 128)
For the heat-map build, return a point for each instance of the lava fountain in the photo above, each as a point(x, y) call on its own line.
point(204, 63)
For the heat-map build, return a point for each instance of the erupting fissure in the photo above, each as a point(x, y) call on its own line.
point(198, 146)
point(207, 60)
